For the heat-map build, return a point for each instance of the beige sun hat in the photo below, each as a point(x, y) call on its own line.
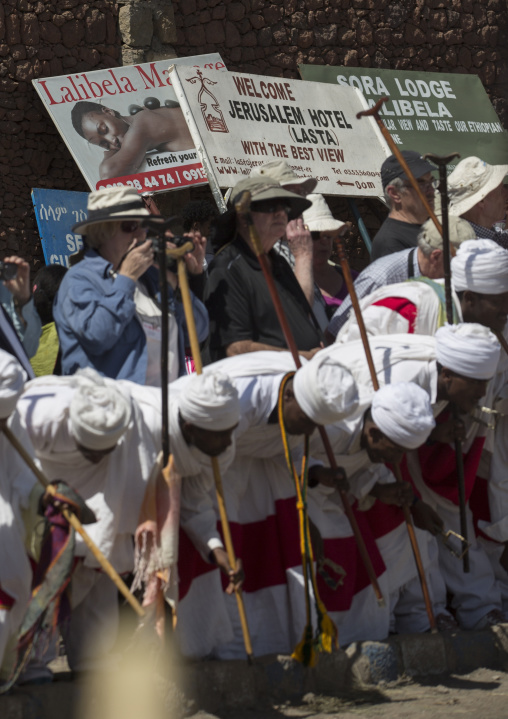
point(471, 181)
point(266, 188)
point(459, 230)
point(280, 171)
point(114, 204)
point(318, 217)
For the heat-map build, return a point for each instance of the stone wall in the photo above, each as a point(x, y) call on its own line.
point(39, 38)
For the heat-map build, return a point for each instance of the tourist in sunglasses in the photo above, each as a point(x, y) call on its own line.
point(107, 310)
point(242, 315)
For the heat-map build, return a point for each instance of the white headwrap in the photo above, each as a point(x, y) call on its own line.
point(402, 411)
point(99, 412)
point(210, 401)
point(480, 266)
point(469, 349)
point(12, 380)
point(325, 390)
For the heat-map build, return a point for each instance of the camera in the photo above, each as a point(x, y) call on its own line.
point(8, 271)
point(178, 241)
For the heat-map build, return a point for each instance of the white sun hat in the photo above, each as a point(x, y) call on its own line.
point(318, 217)
point(114, 204)
point(471, 182)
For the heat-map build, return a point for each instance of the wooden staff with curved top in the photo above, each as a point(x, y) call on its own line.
point(441, 163)
point(196, 355)
point(396, 468)
point(242, 207)
point(374, 112)
point(106, 566)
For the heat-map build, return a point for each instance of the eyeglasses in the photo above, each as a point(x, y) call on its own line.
point(267, 206)
point(424, 184)
point(130, 226)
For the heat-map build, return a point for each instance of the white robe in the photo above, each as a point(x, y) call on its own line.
point(260, 500)
point(382, 319)
point(18, 491)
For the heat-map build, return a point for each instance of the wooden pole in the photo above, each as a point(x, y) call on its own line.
point(196, 355)
point(441, 163)
point(374, 112)
point(242, 208)
point(106, 566)
point(375, 384)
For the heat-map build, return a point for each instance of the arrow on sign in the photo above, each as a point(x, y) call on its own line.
point(340, 182)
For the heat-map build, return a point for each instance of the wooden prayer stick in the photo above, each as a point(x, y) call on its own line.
point(374, 112)
point(502, 341)
point(196, 355)
point(106, 566)
point(441, 163)
point(242, 208)
point(375, 384)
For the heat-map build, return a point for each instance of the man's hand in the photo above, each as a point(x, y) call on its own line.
point(195, 259)
point(330, 477)
point(396, 493)
point(309, 354)
point(137, 260)
point(236, 576)
point(299, 238)
point(426, 518)
point(19, 287)
point(449, 431)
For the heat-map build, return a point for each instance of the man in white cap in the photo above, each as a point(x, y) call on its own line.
point(477, 194)
point(329, 285)
point(425, 260)
point(261, 503)
point(468, 356)
point(479, 294)
point(107, 310)
point(103, 437)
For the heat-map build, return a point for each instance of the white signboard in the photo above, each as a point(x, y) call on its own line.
point(239, 121)
point(124, 126)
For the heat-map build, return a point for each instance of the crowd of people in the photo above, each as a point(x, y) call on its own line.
point(80, 388)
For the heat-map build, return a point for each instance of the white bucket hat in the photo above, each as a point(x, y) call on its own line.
point(114, 204)
point(318, 217)
point(471, 182)
point(280, 171)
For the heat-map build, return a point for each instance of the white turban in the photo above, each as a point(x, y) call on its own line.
point(480, 266)
point(469, 349)
point(99, 412)
point(210, 401)
point(12, 380)
point(325, 390)
point(403, 413)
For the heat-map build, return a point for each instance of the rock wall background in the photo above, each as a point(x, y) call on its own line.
point(39, 39)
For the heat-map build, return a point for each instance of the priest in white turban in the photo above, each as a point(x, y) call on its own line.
point(479, 294)
point(103, 437)
point(467, 357)
point(261, 504)
point(454, 367)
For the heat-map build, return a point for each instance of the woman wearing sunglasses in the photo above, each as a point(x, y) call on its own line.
point(107, 310)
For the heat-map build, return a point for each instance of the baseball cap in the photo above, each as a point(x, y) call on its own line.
point(391, 167)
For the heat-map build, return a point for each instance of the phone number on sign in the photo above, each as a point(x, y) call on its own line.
point(157, 181)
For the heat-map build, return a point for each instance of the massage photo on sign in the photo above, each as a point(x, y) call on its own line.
point(127, 138)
